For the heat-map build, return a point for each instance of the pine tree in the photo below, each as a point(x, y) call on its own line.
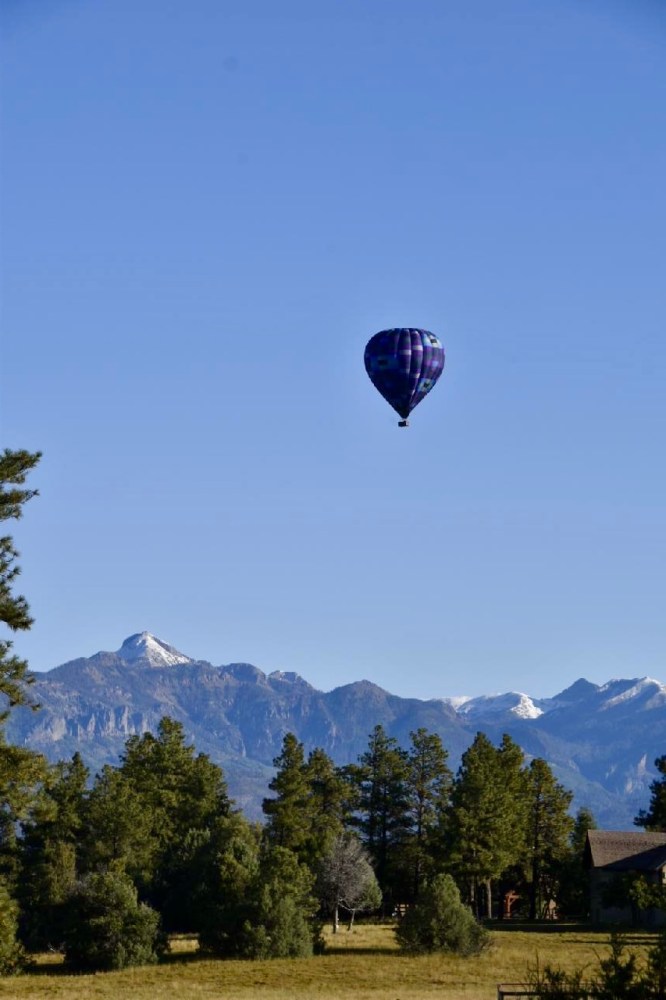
point(286, 823)
point(310, 805)
point(429, 781)
point(440, 922)
point(283, 922)
point(108, 928)
point(119, 828)
point(383, 811)
point(14, 610)
point(12, 956)
point(574, 884)
point(180, 789)
point(549, 827)
point(21, 770)
point(255, 900)
point(223, 873)
point(487, 816)
point(150, 815)
point(327, 806)
point(654, 818)
point(182, 796)
point(49, 854)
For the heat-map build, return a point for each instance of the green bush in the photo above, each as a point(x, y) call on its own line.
point(224, 879)
point(255, 904)
point(11, 952)
point(282, 930)
point(283, 924)
point(440, 922)
point(107, 928)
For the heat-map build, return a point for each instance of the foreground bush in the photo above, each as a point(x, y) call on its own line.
point(108, 928)
point(440, 922)
point(618, 977)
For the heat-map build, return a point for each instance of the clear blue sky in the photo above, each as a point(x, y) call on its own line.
point(209, 207)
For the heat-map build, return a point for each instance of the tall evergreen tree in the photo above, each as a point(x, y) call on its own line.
point(487, 816)
point(573, 896)
point(223, 875)
point(49, 854)
point(150, 815)
point(182, 795)
point(328, 806)
point(21, 771)
point(549, 827)
point(654, 817)
point(310, 803)
point(284, 908)
point(286, 824)
point(429, 781)
point(181, 790)
point(383, 811)
point(14, 610)
point(119, 829)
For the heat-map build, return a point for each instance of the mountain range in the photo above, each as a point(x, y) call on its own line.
point(600, 740)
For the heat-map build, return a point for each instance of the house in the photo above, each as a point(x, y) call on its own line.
point(610, 855)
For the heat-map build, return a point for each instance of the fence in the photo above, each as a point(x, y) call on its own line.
point(506, 990)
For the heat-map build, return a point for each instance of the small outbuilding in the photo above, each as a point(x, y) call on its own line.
point(610, 855)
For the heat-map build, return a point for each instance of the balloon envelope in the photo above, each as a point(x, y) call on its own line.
point(404, 364)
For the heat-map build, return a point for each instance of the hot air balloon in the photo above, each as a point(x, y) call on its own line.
point(404, 364)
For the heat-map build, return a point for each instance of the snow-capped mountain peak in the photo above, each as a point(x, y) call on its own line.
point(513, 703)
point(145, 646)
point(644, 689)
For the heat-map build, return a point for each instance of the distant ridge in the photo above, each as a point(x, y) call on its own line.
point(601, 740)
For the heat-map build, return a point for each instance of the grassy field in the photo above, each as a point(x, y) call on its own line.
point(361, 965)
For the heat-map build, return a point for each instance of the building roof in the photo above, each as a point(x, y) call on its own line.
point(622, 851)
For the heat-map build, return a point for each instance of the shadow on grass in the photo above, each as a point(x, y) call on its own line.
point(58, 968)
point(633, 936)
point(359, 950)
point(541, 927)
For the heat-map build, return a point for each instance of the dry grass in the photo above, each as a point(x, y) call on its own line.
point(362, 965)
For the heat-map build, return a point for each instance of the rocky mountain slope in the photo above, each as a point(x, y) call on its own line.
point(600, 740)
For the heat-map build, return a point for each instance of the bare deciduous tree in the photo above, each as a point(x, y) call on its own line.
point(347, 880)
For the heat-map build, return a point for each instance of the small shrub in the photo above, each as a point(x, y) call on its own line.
point(555, 984)
point(618, 977)
point(440, 922)
point(108, 928)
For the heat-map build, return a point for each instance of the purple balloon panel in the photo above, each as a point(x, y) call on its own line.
point(403, 365)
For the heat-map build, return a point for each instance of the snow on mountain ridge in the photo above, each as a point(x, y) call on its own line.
point(457, 701)
point(513, 702)
point(649, 693)
point(145, 646)
point(638, 688)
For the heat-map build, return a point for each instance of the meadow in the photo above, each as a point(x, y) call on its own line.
point(363, 964)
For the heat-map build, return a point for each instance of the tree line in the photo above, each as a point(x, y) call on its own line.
point(105, 867)
point(156, 841)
